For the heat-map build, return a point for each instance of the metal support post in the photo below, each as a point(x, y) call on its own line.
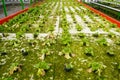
point(4, 7)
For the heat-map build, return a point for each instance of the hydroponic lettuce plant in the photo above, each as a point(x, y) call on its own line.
point(45, 52)
point(110, 53)
point(68, 67)
point(89, 51)
point(32, 43)
point(96, 67)
point(66, 38)
point(24, 28)
point(51, 28)
point(111, 35)
point(19, 34)
point(85, 42)
point(42, 67)
point(112, 25)
point(1, 28)
point(67, 52)
point(14, 43)
point(49, 40)
point(117, 42)
point(96, 35)
point(15, 67)
point(93, 28)
point(102, 41)
point(81, 35)
point(118, 66)
point(78, 27)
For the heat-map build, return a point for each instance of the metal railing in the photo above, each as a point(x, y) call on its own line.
point(114, 12)
point(15, 1)
point(107, 7)
point(21, 2)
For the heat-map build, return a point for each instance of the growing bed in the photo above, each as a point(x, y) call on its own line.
point(59, 40)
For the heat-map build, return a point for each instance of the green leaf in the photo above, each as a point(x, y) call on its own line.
point(42, 65)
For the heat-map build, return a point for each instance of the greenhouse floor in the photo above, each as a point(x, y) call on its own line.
point(59, 40)
point(11, 9)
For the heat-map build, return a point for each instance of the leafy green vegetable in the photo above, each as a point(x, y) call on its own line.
point(67, 52)
point(103, 41)
point(66, 38)
point(42, 65)
point(110, 53)
point(15, 67)
point(68, 67)
point(79, 28)
point(81, 35)
point(1, 28)
point(19, 34)
point(89, 51)
point(96, 35)
point(42, 68)
point(97, 67)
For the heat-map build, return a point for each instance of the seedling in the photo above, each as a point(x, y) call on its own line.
point(106, 29)
point(42, 67)
point(118, 42)
point(96, 35)
point(51, 28)
point(66, 39)
point(45, 52)
point(93, 28)
point(111, 35)
point(32, 43)
point(49, 42)
point(79, 28)
point(89, 52)
point(19, 34)
point(15, 67)
point(67, 52)
point(118, 66)
point(102, 41)
point(81, 35)
point(110, 53)
point(85, 42)
point(1, 28)
point(68, 67)
point(96, 67)
point(113, 25)
point(41, 72)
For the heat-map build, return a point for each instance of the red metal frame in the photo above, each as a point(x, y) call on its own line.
point(11, 16)
point(102, 14)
